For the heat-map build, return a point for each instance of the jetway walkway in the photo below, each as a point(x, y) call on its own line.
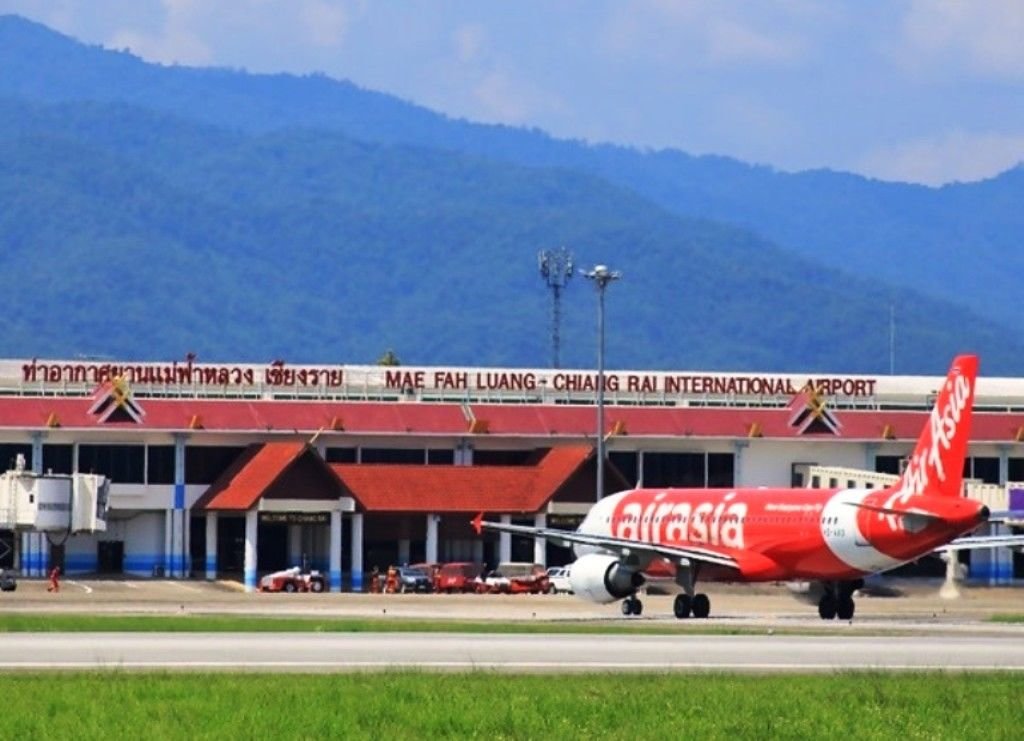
point(53, 503)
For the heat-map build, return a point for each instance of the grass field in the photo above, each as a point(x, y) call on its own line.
point(193, 623)
point(493, 706)
point(81, 623)
point(1010, 617)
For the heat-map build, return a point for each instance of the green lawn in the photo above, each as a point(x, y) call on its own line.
point(494, 706)
point(1014, 617)
point(77, 623)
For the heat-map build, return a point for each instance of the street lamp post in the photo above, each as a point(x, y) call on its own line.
point(601, 276)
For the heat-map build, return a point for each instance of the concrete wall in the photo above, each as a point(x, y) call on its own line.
point(769, 463)
point(143, 542)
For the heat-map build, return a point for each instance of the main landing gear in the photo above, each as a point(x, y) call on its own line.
point(837, 601)
point(632, 606)
point(685, 605)
point(689, 603)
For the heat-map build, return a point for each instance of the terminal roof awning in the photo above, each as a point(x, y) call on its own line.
point(283, 470)
point(469, 489)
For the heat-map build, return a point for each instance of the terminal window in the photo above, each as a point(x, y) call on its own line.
point(57, 458)
point(121, 464)
point(9, 455)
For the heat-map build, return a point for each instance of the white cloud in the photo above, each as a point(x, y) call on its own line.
point(326, 23)
point(469, 41)
point(176, 41)
point(987, 34)
point(201, 32)
point(504, 99)
point(706, 32)
point(955, 156)
point(729, 41)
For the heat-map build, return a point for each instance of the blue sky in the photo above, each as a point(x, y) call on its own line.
point(908, 90)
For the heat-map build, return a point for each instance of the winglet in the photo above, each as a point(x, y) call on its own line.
point(478, 523)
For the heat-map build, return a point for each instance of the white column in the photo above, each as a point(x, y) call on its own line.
point(404, 548)
point(42, 554)
point(505, 541)
point(168, 529)
point(179, 544)
point(334, 574)
point(186, 537)
point(357, 552)
point(540, 545)
point(738, 474)
point(25, 555)
point(211, 546)
point(432, 521)
point(1003, 561)
point(249, 569)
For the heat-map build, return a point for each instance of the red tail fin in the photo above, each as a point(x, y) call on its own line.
point(937, 465)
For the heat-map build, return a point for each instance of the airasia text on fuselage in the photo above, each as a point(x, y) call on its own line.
point(674, 520)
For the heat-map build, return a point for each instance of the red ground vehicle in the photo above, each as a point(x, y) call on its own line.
point(457, 576)
point(431, 570)
point(293, 580)
point(516, 578)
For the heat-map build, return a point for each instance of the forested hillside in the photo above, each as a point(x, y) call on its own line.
point(168, 210)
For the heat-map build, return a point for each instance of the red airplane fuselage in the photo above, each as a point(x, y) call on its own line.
point(782, 534)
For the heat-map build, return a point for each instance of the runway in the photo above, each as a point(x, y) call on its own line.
point(507, 653)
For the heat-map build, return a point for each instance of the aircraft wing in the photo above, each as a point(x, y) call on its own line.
point(621, 546)
point(973, 542)
point(1005, 515)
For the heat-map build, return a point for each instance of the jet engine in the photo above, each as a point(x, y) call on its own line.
point(601, 578)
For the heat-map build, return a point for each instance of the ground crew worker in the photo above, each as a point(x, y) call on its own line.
point(375, 580)
point(54, 580)
point(391, 585)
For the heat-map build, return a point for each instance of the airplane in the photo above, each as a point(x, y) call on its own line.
point(833, 538)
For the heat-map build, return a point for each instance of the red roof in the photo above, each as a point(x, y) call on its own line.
point(243, 416)
point(403, 488)
point(427, 418)
point(246, 480)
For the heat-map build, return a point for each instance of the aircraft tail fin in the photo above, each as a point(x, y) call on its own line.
point(937, 464)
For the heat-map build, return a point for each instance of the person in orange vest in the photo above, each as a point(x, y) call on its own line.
point(375, 581)
point(54, 580)
point(391, 585)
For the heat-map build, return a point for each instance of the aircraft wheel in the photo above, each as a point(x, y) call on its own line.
point(681, 606)
point(845, 608)
point(827, 607)
point(632, 606)
point(701, 606)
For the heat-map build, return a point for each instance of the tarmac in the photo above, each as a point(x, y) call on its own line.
point(910, 603)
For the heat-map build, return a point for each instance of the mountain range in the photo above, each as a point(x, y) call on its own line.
point(150, 211)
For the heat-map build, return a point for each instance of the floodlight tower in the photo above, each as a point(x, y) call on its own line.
point(601, 276)
point(556, 270)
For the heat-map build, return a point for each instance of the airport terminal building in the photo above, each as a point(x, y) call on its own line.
point(234, 470)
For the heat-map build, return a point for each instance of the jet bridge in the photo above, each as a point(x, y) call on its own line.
point(53, 503)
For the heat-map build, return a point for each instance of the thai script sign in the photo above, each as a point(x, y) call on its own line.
point(189, 373)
